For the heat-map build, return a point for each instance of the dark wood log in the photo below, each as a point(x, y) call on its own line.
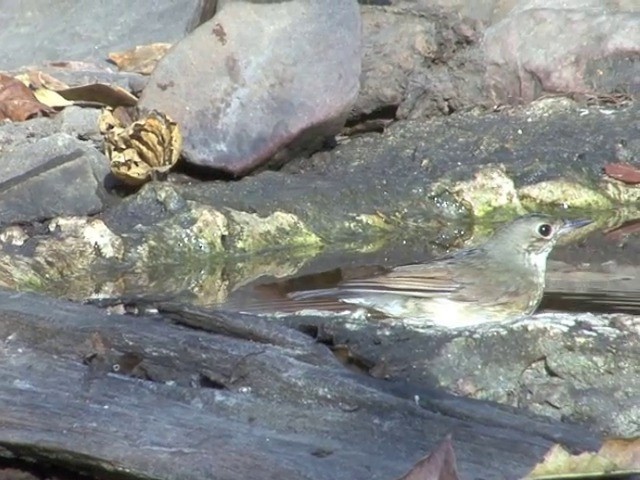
point(230, 397)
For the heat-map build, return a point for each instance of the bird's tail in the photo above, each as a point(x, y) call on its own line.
point(314, 294)
point(267, 301)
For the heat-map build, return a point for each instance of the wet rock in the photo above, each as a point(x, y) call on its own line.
point(576, 46)
point(579, 368)
point(56, 175)
point(34, 32)
point(519, 159)
point(260, 78)
point(415, 185)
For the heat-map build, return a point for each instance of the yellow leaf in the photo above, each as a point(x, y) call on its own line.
point(616, 457)
point(51, 98)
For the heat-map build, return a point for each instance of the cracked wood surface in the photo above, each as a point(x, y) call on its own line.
point(229, 397)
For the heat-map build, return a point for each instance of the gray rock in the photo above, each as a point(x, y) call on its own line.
point(420, 61)
point(483, 10)
point(14, 134)
point(239, 397)
point(81, 123)
point(581, 368)
point(57, 175)
point(258, 78)
point(575, 46)
point(423, 58)
point(411, 188)
point(33, 32)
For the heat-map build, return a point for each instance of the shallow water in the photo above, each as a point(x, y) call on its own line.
point(599, 272)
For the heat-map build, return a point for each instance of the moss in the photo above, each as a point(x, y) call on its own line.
point(87, 237)
point(210, 228)
point(489, 193)
point(492, 197)
point(28, 281)
point(17, 273)
point(203, 234)
point(374, 222)
point(620, 192)
point(251, 233)
point(564, 193)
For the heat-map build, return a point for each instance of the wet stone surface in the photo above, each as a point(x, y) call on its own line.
point(577, 367)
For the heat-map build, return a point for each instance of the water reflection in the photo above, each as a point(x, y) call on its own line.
point(598, 272)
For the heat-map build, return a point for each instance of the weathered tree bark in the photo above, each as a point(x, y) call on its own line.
point(230, 397)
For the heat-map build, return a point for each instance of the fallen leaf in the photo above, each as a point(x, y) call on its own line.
point(141, 59)
point(558, 462)
point(624, 451)
point(624, 172)
point(35, 79)
point(17, 101)
point(53, 93)
point(440, 464)
point(75, 65)
point(42, 85)
point(617, 457)
point(100, 94)
point(145, 149)
point(621, 231)
point(51, 99)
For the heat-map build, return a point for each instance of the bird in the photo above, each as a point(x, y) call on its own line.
point(499, 280)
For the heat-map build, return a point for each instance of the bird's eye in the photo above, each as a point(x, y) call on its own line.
point(545, 230)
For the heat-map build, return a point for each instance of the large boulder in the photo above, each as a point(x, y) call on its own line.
point(258, 78)
point(583, 46)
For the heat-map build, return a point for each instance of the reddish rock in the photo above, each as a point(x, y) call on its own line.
point(573, 46)
point(259, 78)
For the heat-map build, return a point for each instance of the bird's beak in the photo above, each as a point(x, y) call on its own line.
point(570, 225)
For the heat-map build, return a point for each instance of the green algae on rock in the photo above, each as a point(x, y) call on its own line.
point(565, 194)
point(490, 191)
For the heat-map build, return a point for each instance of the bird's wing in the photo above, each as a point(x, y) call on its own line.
point(415, 280)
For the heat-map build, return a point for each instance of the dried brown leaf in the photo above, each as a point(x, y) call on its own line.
point(141, 59)
point(624, 451)
point(35, 79)
point(77, 66)
point(440, 464)
point(621, 231)
point(100, 94)
point(624, 172)
point(17, 101)
point(145, 149)
point(616, 457)
point(51, 99)
point(558, 461)
point(36, 82)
